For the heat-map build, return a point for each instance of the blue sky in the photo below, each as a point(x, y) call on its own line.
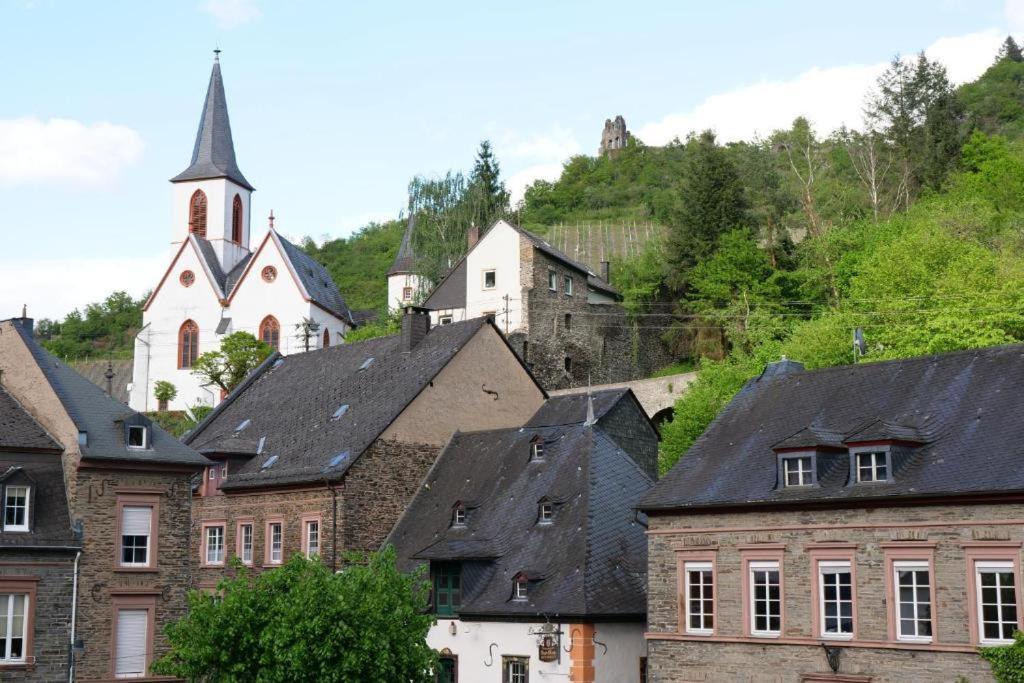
point(334, 106)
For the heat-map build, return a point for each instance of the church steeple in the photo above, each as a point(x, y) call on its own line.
point(405, 259)
point(214, 153)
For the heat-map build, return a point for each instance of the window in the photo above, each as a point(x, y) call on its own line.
point(406, 293)
point(327, 338)
point(912, 582)
point(700, 598)
point(269, 274)
point(197, 214)
point(567, 364)
point(520, 588)
point(136, 530)
point(567, 285)
point(872, 466)
point(236, 220)
point(13, 625)
point(835, 588)
point(490, 279)
point(187, 278)
point(447, 667)
point(537, 450)
point(997, 602)
point(552, 281)
point(568, 322)
point(643, 670)
point(459, 515)
point(765, 599)
point(132, 639)
point(214, 545)
point(188, 344)
point(515, 670)
point(446, 320)
point(797, 471)
point(136, 436)
point(245, 542)
point(270, 332)
point(547, 513)
point(275, 542)
point(447, 583)
point(16, 508)
point(311, 538)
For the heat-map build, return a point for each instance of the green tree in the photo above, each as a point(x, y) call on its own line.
point(164, 392)
point(240, 353)
point(486, 191)
point(304, 622)
point(443, 217)
point(1010, 50)
point(1007, 661)
point(104, 329)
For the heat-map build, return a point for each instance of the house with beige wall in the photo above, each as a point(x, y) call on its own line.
point(856, 524)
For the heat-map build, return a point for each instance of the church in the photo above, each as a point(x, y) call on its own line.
point(220, 281)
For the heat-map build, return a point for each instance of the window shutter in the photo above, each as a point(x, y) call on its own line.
point(136, 521)
point(132, 625)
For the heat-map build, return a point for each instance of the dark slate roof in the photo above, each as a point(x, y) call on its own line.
point(593, 280)
point(316, 280)
point(405, 259)
point(49, 520)
point(589, 562)
point(101, 416)
point(300, 430)
point(963, 408)
point(19, 431)
point(209, 257)
point(95, 371)
point(363, 317)
point(214, 153)
point(572, 408)
point(811, 437)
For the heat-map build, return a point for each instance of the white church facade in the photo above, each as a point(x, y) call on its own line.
point(219, 281)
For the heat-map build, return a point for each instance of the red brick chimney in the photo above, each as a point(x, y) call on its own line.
point(472, 236)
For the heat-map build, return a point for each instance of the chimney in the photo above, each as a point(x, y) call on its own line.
point(109, 376)
point(415, 325)
point(606, 271)
point(472, 236)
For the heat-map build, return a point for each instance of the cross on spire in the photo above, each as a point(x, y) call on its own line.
point(216, 54)
point(270, 219)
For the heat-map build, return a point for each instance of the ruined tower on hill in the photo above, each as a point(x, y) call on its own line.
point(615, 135)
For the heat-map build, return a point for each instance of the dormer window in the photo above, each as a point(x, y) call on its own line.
point(136, 436)
point(872, 466)
point(459, 515)
point(16, 508)
point(546, 514)
point(520, 588)
point(536, 450)
point(797, 470)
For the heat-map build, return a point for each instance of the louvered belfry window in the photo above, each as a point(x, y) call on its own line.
point(236, 220)
point(197, 214)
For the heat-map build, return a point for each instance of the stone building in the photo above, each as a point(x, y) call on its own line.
point(856, 524)
point(126, 483)
point(321, 452)
point(536, 556)
point(563, 319)
point(614, 136)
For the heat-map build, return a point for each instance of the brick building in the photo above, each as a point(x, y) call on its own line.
point(854, 524)
point(321, 452)
point(561, 317)
point(126, 484)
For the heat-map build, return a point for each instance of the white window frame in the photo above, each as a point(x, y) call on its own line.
point(521, 676)
point(547, 513)
point(520, 589)
point(688, 585)
point(213, 472)
point(7, 614)
point(567, 285)
point(23, 507)
point(537, 450)
point(807, 480)
point(994, 567)
point(835, 567)
point(552, 280)
point(245, 529)
point(459, 515)
point(874, 466)
point(148, 537)
point(144, 435)
point(764, 566)
point(311, 547)
point(118, 644)
point(483, 279)
point(446, 319)
point(214, 552)
point(276, 554)
point(912, 566)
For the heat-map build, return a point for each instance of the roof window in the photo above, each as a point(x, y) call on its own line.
point(261, 444)
point(546, 514)
point(278, 363)
point(339, 412)
point(520, 587)
point(872, 466)
point(536, 450)
point(269, 462)
point(459, 515)
point(136, 436)
point(366, 363)
point(242, 425)
point(338, 459)
point(797, 470)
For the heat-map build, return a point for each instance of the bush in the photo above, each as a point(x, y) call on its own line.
point(1007, 662)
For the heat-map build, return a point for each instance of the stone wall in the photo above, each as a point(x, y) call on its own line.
point(629, 427)
point(950, 531)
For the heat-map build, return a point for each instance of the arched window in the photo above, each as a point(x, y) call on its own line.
point(197, 214)
point(236, 220)
point(270, 332)
point(188, 344)
point(327, 338)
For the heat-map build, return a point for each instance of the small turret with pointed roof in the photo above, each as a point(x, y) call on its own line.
point(214, 153)
point(405, 259)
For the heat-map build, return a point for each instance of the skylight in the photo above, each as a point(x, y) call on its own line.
point(268, 462)
point(278, 363)
point(243, 424)
point(366, 363)
point(339, 412)
point(259, 446)
point(338, 459)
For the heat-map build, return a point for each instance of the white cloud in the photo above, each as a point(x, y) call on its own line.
point(232, 13)
point(63, 150)
point(539, 156)
point(829, 97)
point(52, 288)
point(1014, 11)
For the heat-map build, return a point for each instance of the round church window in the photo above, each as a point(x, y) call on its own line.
point(187, 278)
point(269, 273)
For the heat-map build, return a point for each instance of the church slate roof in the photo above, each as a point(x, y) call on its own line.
point(291, 402)
point(19, 430)
point(101, 417)
point(962, 409)
point(589, 562)
point(316, 280)
point(405, 259)
point(214, 153)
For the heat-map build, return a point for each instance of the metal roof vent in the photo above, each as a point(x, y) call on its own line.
point(366, 363)
point(242, 425)
point(268, 462)
point(339, 412)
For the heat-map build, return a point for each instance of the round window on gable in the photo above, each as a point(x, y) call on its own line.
point(187, 278)
point(269, 273)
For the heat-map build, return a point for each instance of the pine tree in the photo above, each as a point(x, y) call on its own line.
point(1010, 50)
point(487, 193)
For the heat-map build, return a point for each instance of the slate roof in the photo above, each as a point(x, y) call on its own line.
point(102, 417)
point(19, 431)
point(364, 316)
point(214, 153)
point(405, 259)
point(291, 401)
point(589, 562)
point(572, 408)
point(49, 519)
point(316, 280)
point(962, 408)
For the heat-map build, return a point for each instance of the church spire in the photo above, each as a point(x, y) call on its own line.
point(405, 259)
point(214, 153)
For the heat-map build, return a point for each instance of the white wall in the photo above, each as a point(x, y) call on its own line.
point(220, 194)
point(457, 314)
point(626, 645)
point(399, 281)
point(497, 250)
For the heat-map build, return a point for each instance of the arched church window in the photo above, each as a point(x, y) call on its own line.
point(270, 332)
point(188, 344)
point(197, 214)
point(327, 338)
point(236, 220)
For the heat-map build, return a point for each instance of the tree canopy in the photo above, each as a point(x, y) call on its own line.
point(240, 353)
